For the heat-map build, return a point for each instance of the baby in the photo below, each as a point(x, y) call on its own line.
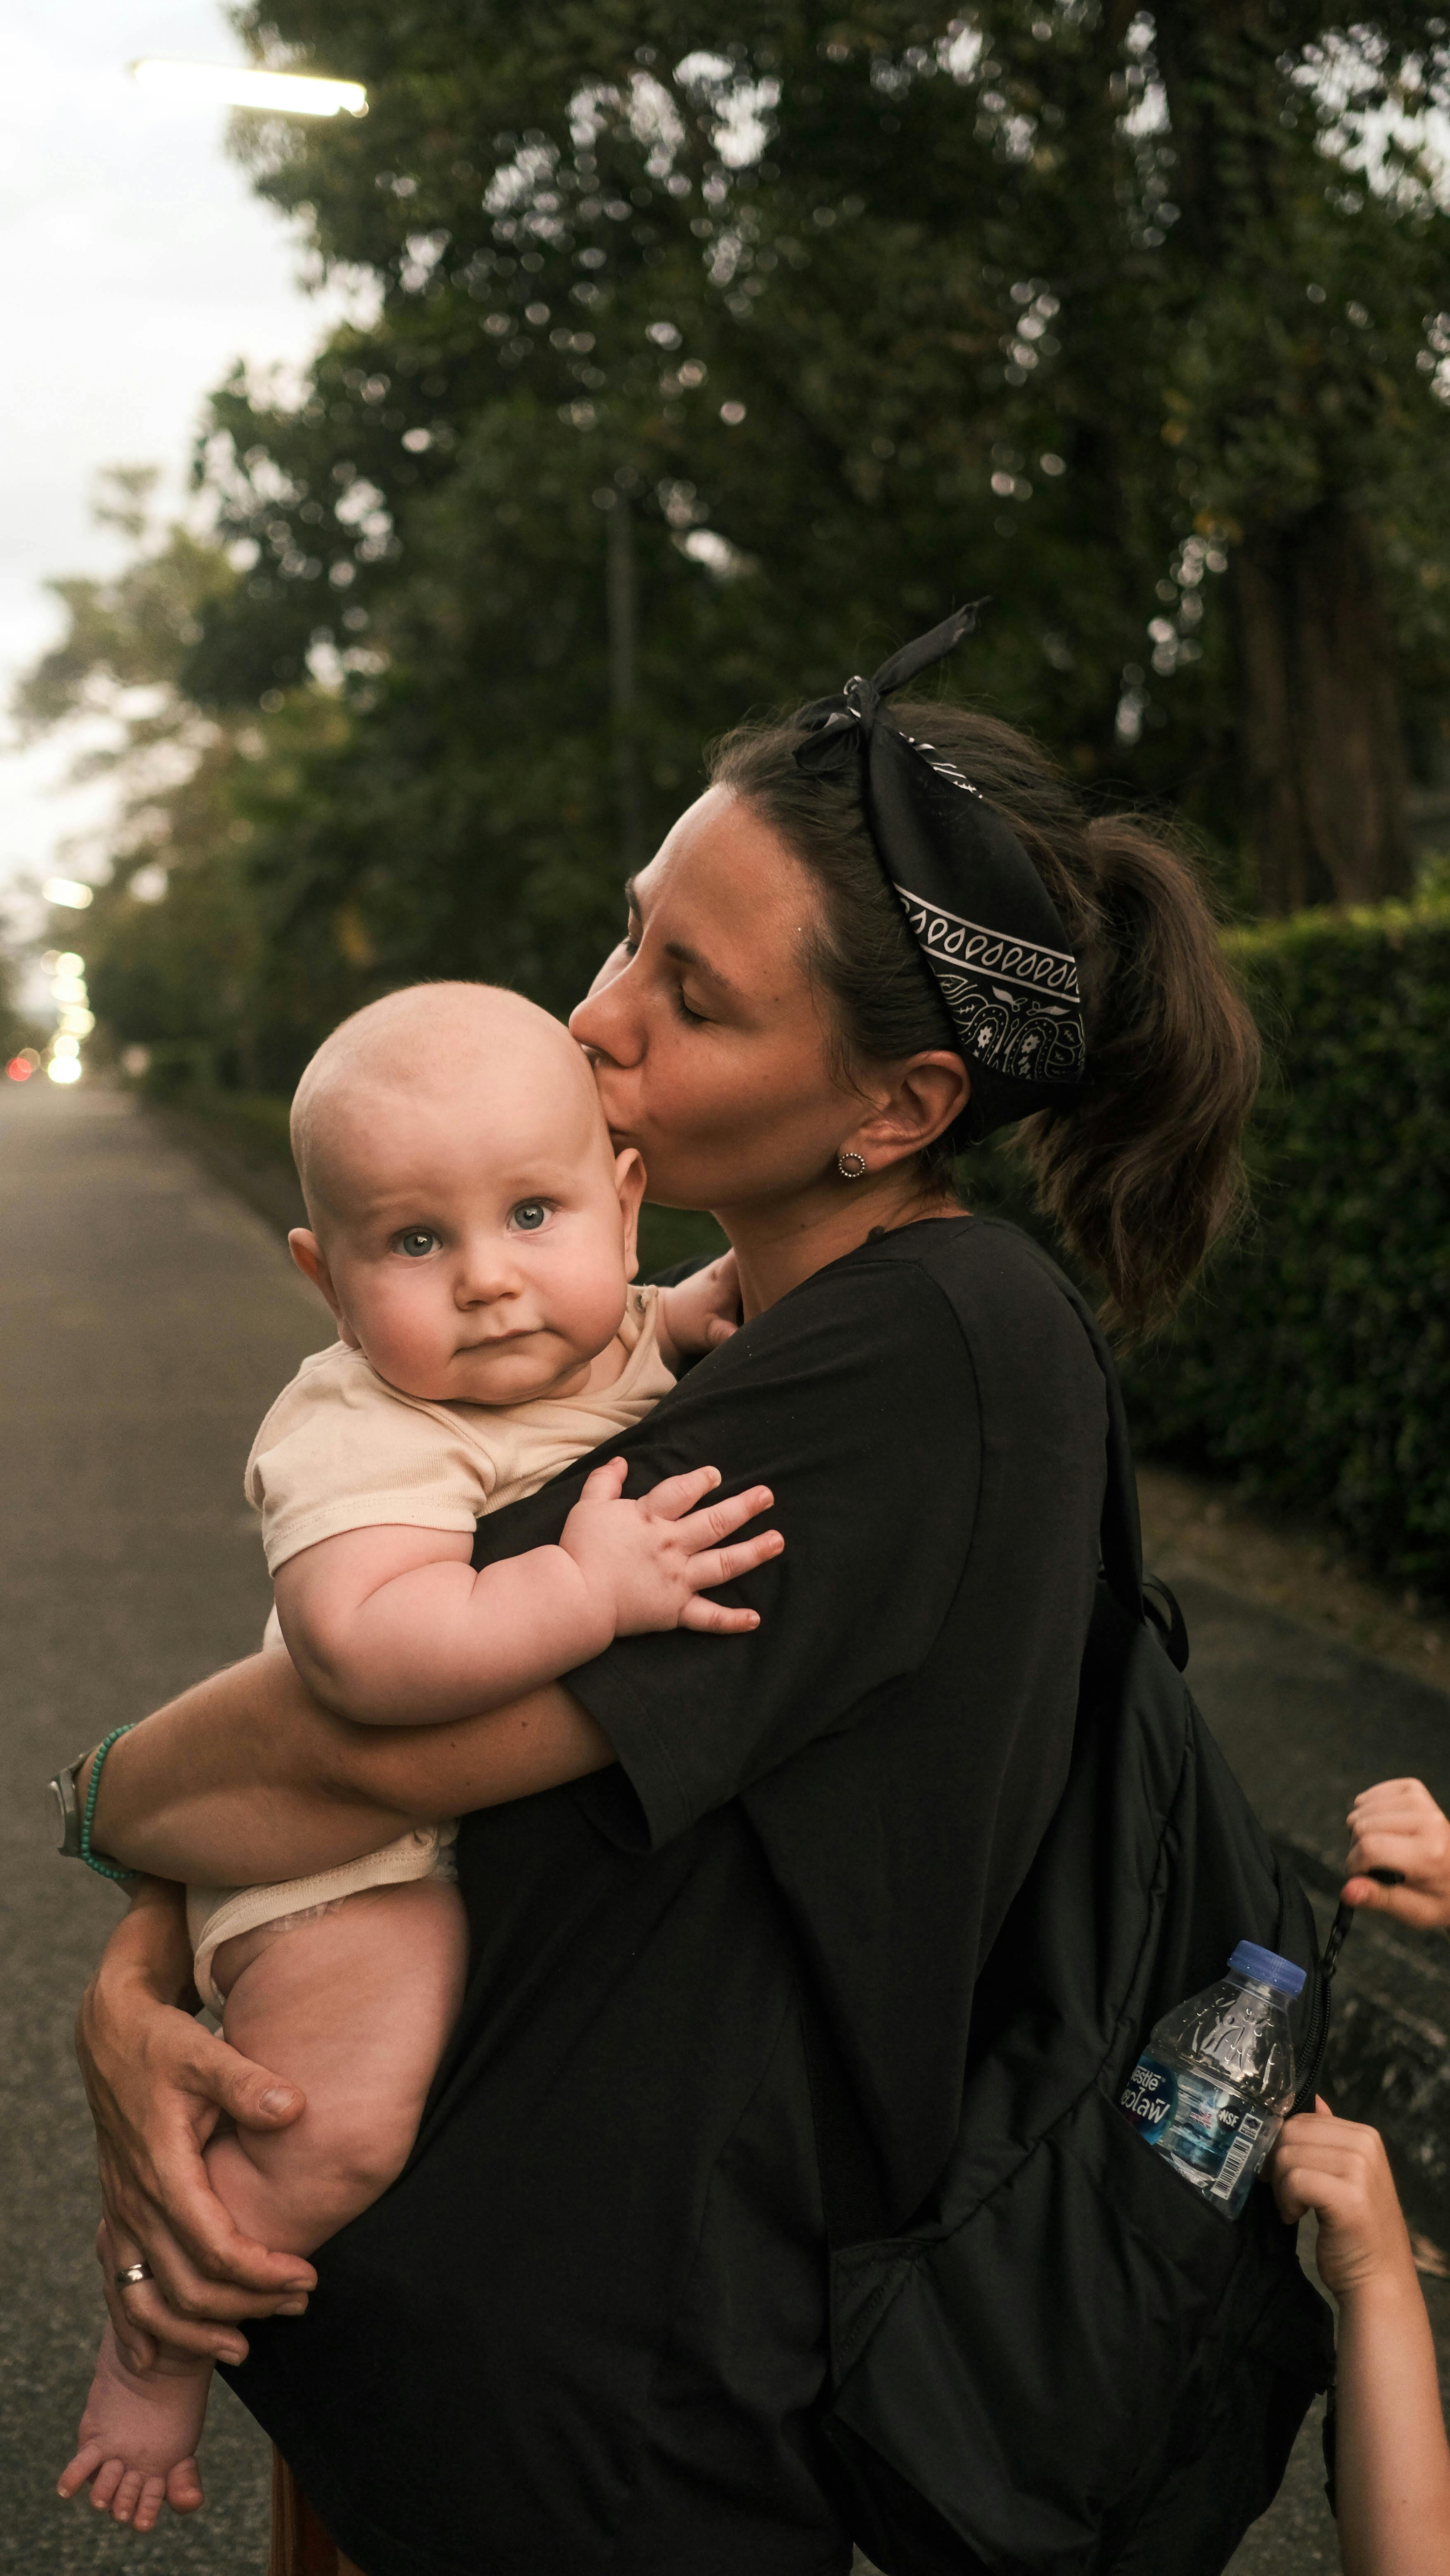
point(473, 1232)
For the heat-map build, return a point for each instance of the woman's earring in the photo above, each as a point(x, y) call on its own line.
point(850, 1166)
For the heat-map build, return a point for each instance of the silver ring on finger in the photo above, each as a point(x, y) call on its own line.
point(132, 2274)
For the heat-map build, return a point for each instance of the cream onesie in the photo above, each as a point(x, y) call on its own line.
point(343, 1450)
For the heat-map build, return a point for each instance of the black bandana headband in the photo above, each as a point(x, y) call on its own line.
point(977, 908)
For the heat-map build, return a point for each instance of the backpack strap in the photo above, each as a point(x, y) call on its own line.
point(850, 2182)
point(1120, 1537)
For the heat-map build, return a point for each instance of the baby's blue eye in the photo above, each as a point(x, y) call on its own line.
point(529, 1215)
point(417, 1242)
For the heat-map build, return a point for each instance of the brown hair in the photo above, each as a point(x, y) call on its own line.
point(1144, 1170)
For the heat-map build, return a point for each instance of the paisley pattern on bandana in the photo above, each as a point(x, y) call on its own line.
point(1016, 1006)
point(985, 927)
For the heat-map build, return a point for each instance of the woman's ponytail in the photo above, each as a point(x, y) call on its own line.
point(1145, 1169)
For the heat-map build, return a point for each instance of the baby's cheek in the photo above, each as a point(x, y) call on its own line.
point(589, 1311)
point(406, 1332)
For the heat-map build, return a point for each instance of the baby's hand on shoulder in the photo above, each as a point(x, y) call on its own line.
point(651, 1561)
point(699, 1313)
point(1339, 2168)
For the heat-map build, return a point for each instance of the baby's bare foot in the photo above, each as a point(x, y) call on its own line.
point(138, 2435)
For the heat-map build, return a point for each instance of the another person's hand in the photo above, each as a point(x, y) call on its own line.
point(158, 2084)
point(1339, 2169)
point(1396, 1825)
point(701, 1312)
point(1393, 2465)
point(655, 1558)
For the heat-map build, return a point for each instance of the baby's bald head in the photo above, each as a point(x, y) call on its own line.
point(434, 1048)
point(472, 1226)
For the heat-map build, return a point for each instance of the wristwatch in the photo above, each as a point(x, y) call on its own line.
point(65, 1808)
point(71, 1817)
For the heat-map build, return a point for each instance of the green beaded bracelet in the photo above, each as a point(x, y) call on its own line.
point(104, 1868)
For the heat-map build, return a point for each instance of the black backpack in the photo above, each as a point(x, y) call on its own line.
point(1073, 2363)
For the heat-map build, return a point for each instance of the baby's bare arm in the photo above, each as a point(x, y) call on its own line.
point(392, 1626)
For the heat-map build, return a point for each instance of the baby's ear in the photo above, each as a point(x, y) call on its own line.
point(311, 1260)
point(629, 1179)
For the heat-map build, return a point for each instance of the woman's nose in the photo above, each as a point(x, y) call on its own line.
point(604, 1021)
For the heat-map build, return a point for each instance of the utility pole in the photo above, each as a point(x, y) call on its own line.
point(622, 596)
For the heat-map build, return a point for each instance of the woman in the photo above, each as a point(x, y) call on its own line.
point(587, 2327)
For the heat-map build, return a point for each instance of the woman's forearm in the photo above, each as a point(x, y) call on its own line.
point(148, 1952)
point(247, 1778)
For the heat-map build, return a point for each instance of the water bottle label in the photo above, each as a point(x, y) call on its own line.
point(1150, 2097)
point(1207, 2131)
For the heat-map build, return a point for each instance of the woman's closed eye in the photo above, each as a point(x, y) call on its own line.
point(628, 949)
point(417, 1241)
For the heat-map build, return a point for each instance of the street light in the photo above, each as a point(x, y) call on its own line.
point(236, 85)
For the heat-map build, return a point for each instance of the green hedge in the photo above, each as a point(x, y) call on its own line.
point(1314, 1363)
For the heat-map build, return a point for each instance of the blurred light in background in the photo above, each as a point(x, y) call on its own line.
point(74, 1018)
point(230, 85)
point(69, 893)
point(22, 1066)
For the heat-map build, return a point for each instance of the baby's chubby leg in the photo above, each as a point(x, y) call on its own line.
point(354, 2007)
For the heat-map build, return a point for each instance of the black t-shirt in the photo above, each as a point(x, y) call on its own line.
point(586, 2329)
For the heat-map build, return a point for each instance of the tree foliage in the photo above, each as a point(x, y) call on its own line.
point(710, 355)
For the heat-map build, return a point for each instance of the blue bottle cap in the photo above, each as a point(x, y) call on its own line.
point(1266, 1968)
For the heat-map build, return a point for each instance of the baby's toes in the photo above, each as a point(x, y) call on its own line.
point(75, 2473)
point(128, 2495)
point(183, 2487)
point(148, 2504)
point(105, 2482)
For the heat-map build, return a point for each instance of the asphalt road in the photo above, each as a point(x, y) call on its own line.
point(146, 1320)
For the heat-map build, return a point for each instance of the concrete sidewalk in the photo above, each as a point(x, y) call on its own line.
point(146, 1321)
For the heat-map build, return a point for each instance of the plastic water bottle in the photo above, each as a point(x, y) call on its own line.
point(1213, 2084)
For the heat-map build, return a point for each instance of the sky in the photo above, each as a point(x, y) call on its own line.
point(136, 266)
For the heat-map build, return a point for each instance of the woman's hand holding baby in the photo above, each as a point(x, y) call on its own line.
point(158, 2084)
point(649, 1563)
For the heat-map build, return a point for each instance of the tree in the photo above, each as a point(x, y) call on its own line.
point(1301, 424)
point(710, 357)
point(179, 955)
point(927, 262)
point(16, 1031)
